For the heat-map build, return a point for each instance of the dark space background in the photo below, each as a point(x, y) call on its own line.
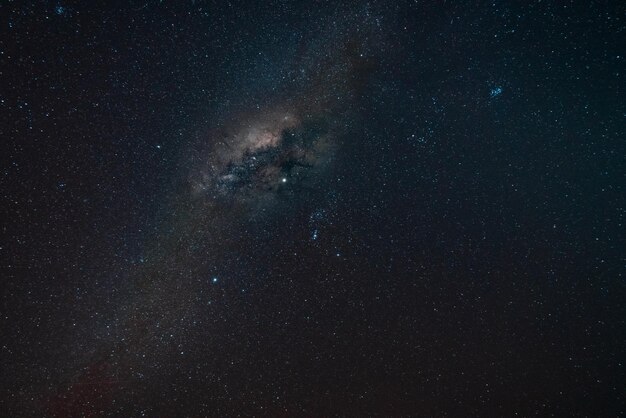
point(449, 243)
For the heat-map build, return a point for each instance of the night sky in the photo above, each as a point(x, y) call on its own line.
point(281, 208)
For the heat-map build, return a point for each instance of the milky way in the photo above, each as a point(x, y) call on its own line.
point(248, 166)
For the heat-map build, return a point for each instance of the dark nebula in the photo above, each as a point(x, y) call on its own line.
point(312, 209)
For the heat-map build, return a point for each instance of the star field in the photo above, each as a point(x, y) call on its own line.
point(293, 208)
